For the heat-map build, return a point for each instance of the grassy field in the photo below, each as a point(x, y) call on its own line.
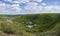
point(30, 25)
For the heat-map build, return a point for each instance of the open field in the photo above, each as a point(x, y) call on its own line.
point(30, 25)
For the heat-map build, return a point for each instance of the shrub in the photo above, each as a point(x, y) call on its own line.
point(7, 29)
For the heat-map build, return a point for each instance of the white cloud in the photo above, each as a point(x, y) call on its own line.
point(38, 0)
point(44, 4)
point(2, 4)
point(3, 10)
point(8, 0)
point(51, 9)
point(32, 7)
point(17, 1)
point(16, 7)
point(9, 9)
point(22, 1)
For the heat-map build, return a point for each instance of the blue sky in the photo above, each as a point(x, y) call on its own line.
point(29, 6)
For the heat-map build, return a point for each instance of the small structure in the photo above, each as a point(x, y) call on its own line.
point(29, 24)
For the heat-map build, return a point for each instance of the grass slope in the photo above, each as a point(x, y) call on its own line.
point(40, 22)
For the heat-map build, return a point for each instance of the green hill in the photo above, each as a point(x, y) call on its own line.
point(29, 25)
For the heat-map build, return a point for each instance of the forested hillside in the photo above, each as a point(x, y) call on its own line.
point(28, 25)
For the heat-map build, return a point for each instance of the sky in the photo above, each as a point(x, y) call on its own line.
point(14, 7)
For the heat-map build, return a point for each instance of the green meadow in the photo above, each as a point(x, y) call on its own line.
point(30, 25)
